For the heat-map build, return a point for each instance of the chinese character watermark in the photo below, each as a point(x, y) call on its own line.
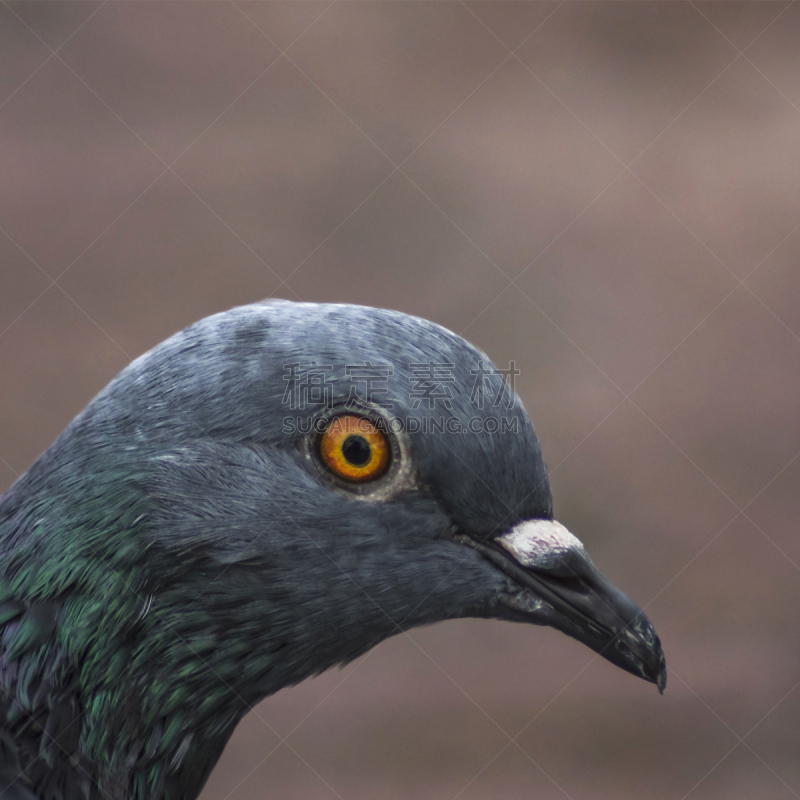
point(374, 379)
point(481, 386)
point(430, 383)
point(307, 385)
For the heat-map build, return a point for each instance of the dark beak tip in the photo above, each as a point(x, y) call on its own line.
point(661, 680)
point(657, 671)
point(642, 651)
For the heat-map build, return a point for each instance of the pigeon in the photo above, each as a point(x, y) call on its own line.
point(267, 494)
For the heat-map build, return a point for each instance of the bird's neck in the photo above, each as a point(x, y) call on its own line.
point(207, 653)
point(142, 713)
point(117, 679)
point(115, 687)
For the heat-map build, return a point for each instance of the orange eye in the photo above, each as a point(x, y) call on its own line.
point(354, 449)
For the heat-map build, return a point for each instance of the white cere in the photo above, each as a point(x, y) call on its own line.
point(539, 542)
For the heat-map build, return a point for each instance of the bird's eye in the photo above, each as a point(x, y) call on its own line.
point(354, 449)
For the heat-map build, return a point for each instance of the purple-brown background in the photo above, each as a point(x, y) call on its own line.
point(606, 193)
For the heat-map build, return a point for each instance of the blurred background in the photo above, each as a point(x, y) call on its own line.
point(606, 193)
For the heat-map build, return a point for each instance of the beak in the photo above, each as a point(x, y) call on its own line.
point(553, 582)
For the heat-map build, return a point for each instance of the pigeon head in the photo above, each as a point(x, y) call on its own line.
point(269, 493)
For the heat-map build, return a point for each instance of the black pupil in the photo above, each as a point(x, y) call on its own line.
point(356, 450)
